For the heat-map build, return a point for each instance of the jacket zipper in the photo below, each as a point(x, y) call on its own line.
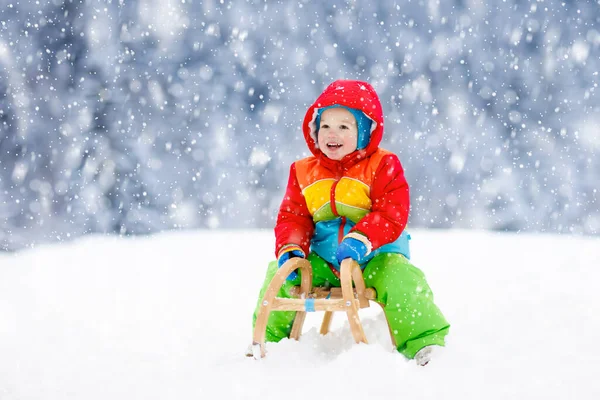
point(335, 212)
point(342, 224)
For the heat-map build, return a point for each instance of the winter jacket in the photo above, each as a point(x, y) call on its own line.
point(364, 192)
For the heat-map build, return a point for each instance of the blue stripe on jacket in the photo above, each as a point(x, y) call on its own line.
point(325, 242)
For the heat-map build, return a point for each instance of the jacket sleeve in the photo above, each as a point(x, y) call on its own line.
point(295, 226)
point(390, 203)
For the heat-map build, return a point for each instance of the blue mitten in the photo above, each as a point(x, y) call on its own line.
point(286, 256)
point(351, 248)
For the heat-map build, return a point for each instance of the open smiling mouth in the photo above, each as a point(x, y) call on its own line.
point(334, 146)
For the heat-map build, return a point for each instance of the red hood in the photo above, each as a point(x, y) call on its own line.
point(353, 94)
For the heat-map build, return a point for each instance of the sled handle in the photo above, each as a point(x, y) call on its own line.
point(350, 271)
point(268, 299)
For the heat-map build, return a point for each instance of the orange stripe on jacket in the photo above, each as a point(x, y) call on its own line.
point(352, 191)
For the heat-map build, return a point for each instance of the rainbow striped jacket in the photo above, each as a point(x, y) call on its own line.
point(365, 192)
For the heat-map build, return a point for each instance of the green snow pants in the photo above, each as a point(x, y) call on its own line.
point(414, 320)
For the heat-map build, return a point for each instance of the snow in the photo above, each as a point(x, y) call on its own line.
point(168, 317)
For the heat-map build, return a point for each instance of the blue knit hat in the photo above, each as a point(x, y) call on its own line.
point(363, 124)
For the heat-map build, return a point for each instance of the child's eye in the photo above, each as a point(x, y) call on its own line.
point(324, 126)
point(343, 127)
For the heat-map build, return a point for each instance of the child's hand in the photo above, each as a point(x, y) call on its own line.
point(286, 256)
point(351, 248)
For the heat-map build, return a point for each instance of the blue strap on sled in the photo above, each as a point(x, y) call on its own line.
point(309, 305)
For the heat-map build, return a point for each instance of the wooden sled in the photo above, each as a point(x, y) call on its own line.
point(346, 298)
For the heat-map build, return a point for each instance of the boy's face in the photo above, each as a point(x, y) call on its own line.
point(338, 133)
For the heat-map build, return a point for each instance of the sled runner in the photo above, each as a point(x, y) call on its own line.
point(308, 299)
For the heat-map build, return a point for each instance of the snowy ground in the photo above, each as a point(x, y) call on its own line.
point(168, 317)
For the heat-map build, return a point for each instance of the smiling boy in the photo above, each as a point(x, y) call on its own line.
point(350, 199)
point(338, 133)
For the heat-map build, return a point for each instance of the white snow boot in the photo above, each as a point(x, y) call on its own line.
point(253, 350)
point(423, 356)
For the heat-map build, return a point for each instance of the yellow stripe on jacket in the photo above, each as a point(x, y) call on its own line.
point(352, 192)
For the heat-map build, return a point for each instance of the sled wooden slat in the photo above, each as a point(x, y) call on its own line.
point(297, 326)
point(333, 293)
point(326, 323)
point(345, 298)
point(316, 305)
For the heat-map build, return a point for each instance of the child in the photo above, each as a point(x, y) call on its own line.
point(350, 200)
